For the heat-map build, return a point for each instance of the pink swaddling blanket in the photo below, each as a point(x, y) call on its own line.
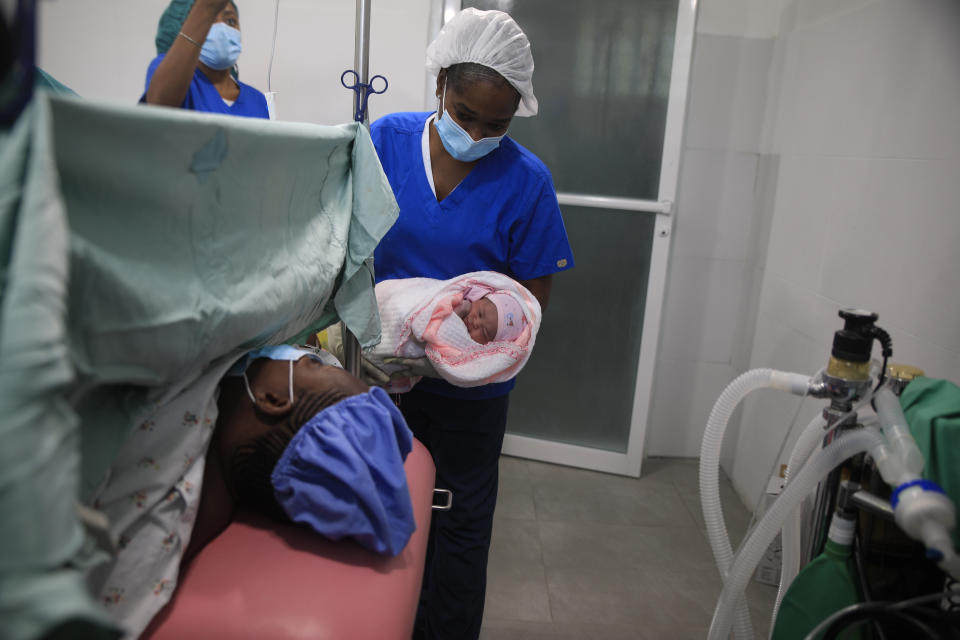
point(418, 320)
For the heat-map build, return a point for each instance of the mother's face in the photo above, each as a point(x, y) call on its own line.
point(241, 422)
point(310, 375)
point(270, 382)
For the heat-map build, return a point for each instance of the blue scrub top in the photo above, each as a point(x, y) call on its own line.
point(503, 217)
point(203, 96)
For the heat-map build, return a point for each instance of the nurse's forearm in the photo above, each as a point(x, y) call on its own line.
point(171, 80)
point(540, 288)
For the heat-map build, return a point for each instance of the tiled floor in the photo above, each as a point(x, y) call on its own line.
point(584, 555)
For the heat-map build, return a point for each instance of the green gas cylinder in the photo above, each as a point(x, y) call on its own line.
point(822, 588)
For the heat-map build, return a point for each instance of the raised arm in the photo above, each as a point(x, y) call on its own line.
point(171, 80)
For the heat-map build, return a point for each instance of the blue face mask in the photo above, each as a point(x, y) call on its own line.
point(458, 142)
point(221, 48)
point(280, 352)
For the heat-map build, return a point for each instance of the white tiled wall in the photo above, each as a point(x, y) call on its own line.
point(728, 92)
point(821, 170)
point(740, 18)
point(718, 239)
point(865, 97)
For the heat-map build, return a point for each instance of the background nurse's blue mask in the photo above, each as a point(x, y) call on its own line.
point(221, 48)
point(458, 142)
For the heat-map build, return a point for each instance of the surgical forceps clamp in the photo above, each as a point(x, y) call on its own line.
point(363, 91)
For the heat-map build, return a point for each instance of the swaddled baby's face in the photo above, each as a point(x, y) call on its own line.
point(481, 321)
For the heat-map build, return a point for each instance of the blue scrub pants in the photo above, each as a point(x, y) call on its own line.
point(464, 437)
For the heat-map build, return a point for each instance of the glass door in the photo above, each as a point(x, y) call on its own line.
point(611, 79)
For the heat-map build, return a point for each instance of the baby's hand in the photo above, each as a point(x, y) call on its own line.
point(462, 309)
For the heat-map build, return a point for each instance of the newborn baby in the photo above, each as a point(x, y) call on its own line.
point(471, 330)
point(490, 316)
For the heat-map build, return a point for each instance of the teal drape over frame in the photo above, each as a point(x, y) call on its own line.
point(137, 246)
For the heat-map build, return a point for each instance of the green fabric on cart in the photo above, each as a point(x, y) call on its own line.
point(932, 409)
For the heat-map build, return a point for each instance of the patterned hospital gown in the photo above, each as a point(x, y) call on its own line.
point(150, 496)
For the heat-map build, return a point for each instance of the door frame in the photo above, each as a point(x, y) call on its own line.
point(629, 463)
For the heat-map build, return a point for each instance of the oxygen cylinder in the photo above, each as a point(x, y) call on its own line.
point(822, 588)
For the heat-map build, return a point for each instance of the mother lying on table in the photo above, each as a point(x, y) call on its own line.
point(298, 438)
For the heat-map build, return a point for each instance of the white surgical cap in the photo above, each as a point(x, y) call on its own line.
point(490, 38)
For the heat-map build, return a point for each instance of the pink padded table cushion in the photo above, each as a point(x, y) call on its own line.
point(262, 579)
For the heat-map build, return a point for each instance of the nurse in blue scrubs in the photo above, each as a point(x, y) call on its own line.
point(198, 43)
point(470, 199)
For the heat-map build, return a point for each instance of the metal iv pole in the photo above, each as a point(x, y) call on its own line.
point(361, 63)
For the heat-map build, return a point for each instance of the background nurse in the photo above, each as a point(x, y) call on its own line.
point(198, 44)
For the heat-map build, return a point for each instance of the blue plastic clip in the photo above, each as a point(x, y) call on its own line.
point(363, 91)
point(926, 485)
